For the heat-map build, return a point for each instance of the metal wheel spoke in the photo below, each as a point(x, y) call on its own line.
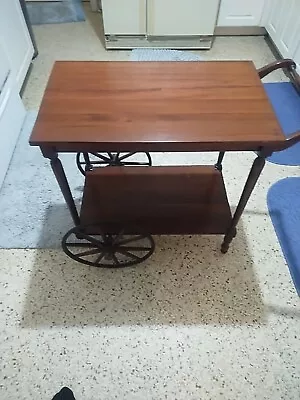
point(88, 252)
point(110, 155)
point(98, 259)
point(116, 261)
point(96, 242)
point(132, 239)
point(127, 253)
point(104, 158)
point(125, 156)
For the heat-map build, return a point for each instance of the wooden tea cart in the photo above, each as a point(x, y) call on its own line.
point(113, 114)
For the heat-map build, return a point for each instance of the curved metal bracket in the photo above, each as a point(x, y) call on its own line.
point(288, 65)
point(284, 63)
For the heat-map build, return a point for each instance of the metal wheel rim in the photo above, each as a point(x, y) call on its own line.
point(109, 159)
point(101, 251)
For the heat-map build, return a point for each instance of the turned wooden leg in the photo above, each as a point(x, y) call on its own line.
point(61, 178)
point(253, 176)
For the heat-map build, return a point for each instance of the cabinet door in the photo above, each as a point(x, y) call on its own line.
point(283, 25)
point(240, 13)
point(5, 75)
point(122, 17)
point(16, 39)
point(275, 22)
point(178, 17)
point(5, 72)
point(12, 112)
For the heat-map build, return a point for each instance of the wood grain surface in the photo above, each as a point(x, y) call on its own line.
point(159, 200)
point(157, 106)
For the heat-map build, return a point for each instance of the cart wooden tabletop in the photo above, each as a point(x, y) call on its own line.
point(155, 106)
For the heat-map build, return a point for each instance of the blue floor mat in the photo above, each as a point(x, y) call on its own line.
point(286, 103)
point(55, 12)
point(284, 208)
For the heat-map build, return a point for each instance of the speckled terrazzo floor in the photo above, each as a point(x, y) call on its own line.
point(189, 323)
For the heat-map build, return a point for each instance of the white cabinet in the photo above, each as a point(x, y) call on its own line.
point(16, 39)
point(16, 52)
point(124, 17)
point(159, 17)
point(283, 25)
point(5, 72)
point(159, 23)
point(240, 13)
point(273, 21)
point(282, 21)
point(189, 17)
point(12, 112)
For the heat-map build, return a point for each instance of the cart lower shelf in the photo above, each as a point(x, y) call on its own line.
point(155, 200)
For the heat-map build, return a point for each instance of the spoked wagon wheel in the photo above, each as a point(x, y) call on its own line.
point(87, 161)
point(106, 250)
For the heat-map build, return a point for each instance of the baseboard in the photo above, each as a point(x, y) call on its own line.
point(128, 42)
point(273, 47)
point(239, 31)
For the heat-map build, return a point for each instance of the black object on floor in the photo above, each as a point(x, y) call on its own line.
point(64, 394)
